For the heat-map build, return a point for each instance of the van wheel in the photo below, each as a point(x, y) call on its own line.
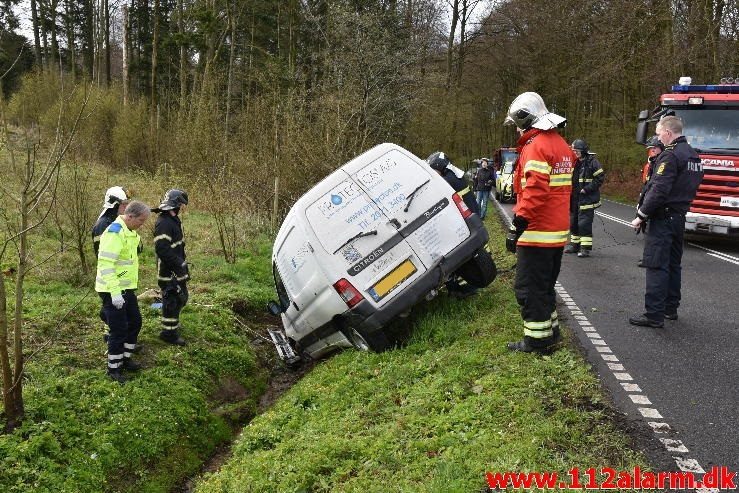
point(376, 342)
point(480, 270)
point(497, 196)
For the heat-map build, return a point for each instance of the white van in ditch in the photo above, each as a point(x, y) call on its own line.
point(364, 245)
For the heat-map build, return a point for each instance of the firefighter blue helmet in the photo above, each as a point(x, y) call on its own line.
point(173, 199)
point(654, 141)
point(580, 145)
point(438, 161)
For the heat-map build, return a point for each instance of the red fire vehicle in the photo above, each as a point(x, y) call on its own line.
point(710, 114)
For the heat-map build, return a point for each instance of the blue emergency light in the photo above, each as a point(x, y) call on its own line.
point(714, 88)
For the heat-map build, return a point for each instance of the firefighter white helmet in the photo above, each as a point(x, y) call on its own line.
point(528, 110)
point(113, 198)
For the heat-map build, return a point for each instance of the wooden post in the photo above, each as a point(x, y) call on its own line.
point(275, 203)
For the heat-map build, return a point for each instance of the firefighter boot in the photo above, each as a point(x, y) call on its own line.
point(116, 375)
point(572, 248)
point(172, 337)
point(584, 252)
point(131, 365)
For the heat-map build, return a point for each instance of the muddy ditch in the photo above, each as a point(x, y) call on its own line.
point(232, 399)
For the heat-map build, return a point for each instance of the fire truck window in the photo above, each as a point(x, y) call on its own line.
point(711, 129)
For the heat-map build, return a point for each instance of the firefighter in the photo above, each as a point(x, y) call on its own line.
point(439, 162)
point(115, 202)
point(172, 268)
point(670, 190)
point(587, 179)
point(116, 283)
point(543, 183)
point(654, 148)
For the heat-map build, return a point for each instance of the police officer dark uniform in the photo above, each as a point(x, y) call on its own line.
point(669, 192)
point(587, 179)
point(116, 283)
point(654, 148)
point(173, 272)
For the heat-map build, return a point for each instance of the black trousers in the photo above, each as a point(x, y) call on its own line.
point(537, 270)
point(124, 324)
point(663, 253)
point(581, 228)
point(174, 299)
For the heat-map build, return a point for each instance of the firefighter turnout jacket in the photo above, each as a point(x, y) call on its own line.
point(543, 183)
point(674, 181)
point(118, 260)
point(587, 179)
point(169, 243)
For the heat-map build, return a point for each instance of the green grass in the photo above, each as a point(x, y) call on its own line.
point(432, 416)
point(85, 433)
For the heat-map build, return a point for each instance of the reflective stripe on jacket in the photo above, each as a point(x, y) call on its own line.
point(588, 176)
point(543, 184)
point(118, 260)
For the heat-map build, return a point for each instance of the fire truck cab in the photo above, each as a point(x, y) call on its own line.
point(710, 114)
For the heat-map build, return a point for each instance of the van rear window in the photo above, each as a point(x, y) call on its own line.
point(342, 213)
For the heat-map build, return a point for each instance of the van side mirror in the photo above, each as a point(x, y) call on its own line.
point(641, 127)
point(273, 308)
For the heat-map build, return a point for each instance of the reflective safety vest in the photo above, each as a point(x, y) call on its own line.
point(543, 184)
point(118, 260)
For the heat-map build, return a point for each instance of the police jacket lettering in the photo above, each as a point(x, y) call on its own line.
point(674, 182)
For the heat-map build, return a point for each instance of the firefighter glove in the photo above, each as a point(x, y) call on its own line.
point(117, 300)
point(520, 224)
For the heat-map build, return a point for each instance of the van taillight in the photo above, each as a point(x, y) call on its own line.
point(348, 293)
point(463, 209)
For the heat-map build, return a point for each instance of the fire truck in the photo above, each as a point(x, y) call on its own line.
point(710, 114)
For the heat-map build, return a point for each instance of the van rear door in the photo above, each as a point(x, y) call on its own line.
point(414, 197)
point(362, 245)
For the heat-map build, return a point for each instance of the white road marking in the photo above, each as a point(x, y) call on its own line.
point(635, 393)
point(713, 253)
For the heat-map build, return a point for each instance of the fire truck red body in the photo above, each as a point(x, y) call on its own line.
point(710, 114)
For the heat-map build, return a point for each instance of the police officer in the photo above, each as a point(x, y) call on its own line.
point(173, 272)
point(439, 162)
point(587, 179)
point(654, 148)
point(543, 184)
point(666, 200)
point(116, 282)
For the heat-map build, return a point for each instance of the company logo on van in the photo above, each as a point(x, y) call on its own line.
point(372, 175)
point(726, 163)
point(338, 198)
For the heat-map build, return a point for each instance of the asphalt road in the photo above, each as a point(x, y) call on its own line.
point(683, 379)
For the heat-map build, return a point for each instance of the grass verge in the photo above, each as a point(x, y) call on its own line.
point(434, 415)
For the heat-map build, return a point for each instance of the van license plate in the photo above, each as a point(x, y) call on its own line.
point(392, 280)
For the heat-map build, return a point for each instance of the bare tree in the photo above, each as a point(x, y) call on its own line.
point(30, 186)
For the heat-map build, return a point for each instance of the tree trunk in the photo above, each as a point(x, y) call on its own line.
point(154, 50)
point(36, 38)
point(106, 36)
point(54, 58)
point(69, 21)
point(88, 37)
point(183, 69)
point(126, 55)
point(450, 45)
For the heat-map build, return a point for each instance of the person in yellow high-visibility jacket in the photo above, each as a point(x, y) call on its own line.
point(116, 282)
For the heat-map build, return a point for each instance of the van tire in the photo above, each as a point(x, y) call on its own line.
point(480, 270)
point(377, 342)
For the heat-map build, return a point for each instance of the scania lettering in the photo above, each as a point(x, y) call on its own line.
point(710, 114)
